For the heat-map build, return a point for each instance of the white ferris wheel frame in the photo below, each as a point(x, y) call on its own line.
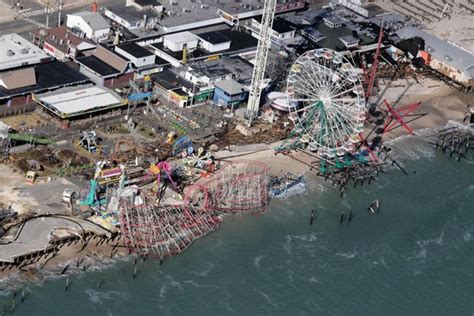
point(326, 98)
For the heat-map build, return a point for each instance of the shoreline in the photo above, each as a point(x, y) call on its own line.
point(441, 109)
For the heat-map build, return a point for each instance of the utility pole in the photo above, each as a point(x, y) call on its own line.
point(61, 3)
point(47, 17)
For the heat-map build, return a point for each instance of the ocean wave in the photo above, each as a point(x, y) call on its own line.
point(256, 261)
point(467, 236)
point(425, 132)
point(421, 246)
point(173, 282)
point(267, 298)
point(305, 242)
point(415, 146)
point(305, 237)
point(348, 255)
point(191, 282)
point(163, 290)
point(314, 280)
point(206, 270)
point(97, 296)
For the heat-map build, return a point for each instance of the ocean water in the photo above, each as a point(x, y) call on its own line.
point(416, 257)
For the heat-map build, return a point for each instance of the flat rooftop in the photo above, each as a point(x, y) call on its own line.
point(16, 51)
point(49, 76)
point(135, 50)
point(131, 13)
point(214, 37)
point(280, 24)
point(240, 42)
point(230, 86)
point(170, 80)
point(333, 35)
point(189, 12)
point(240, 68)
point(98, 66)
point(181, 38)
point(79, 100)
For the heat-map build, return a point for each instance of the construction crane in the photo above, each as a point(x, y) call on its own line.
point(260, 62)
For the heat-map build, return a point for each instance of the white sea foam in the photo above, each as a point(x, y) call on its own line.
point(256, 261)
point(163, 291)
point(415, 147)
point(314, 279)
point(287, 245)
point(467, 236)
point(97, 297)
point(305, 237)
point(421, 246)
point(348, 255)
point(267, 298)
point(207, 269)
point(173, 282)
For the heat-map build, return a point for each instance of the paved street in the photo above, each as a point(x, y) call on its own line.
point(32, 15)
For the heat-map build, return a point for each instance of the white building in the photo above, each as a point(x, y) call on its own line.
point(349, 41)
point(332, 21)
point(137, 14)
point(138, 55)
point(145, 4)
point(176, 42)
point(214, 41)
point(16, 51)
point(79, 100)
point(92, 24)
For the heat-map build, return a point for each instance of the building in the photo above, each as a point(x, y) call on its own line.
point(92, 24)
point(229, 93)
point(240, 43)
point(17, 85)
point(136, 54)
point(349, 41)
point(61, 43)
point(312, 34)
point(358, 6)
point(339, 38)
point(214, 41)
point(15, 51)
point(170, 86)
point(332, 21)
point(72, 102)
point(209, 72)
point(187, 15)
point(105, 67)
point(23, 77)
point(176, 42)
point(281, 28)
point(445, 57)
point(145, 4)
point(137, 14)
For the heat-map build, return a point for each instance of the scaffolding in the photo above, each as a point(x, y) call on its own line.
point(237, 187)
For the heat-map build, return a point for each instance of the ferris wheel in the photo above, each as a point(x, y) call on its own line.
point(326, 101)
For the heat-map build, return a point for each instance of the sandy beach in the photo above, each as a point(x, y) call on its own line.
point(441, 102)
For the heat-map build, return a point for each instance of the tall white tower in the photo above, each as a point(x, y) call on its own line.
point(261, 60)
